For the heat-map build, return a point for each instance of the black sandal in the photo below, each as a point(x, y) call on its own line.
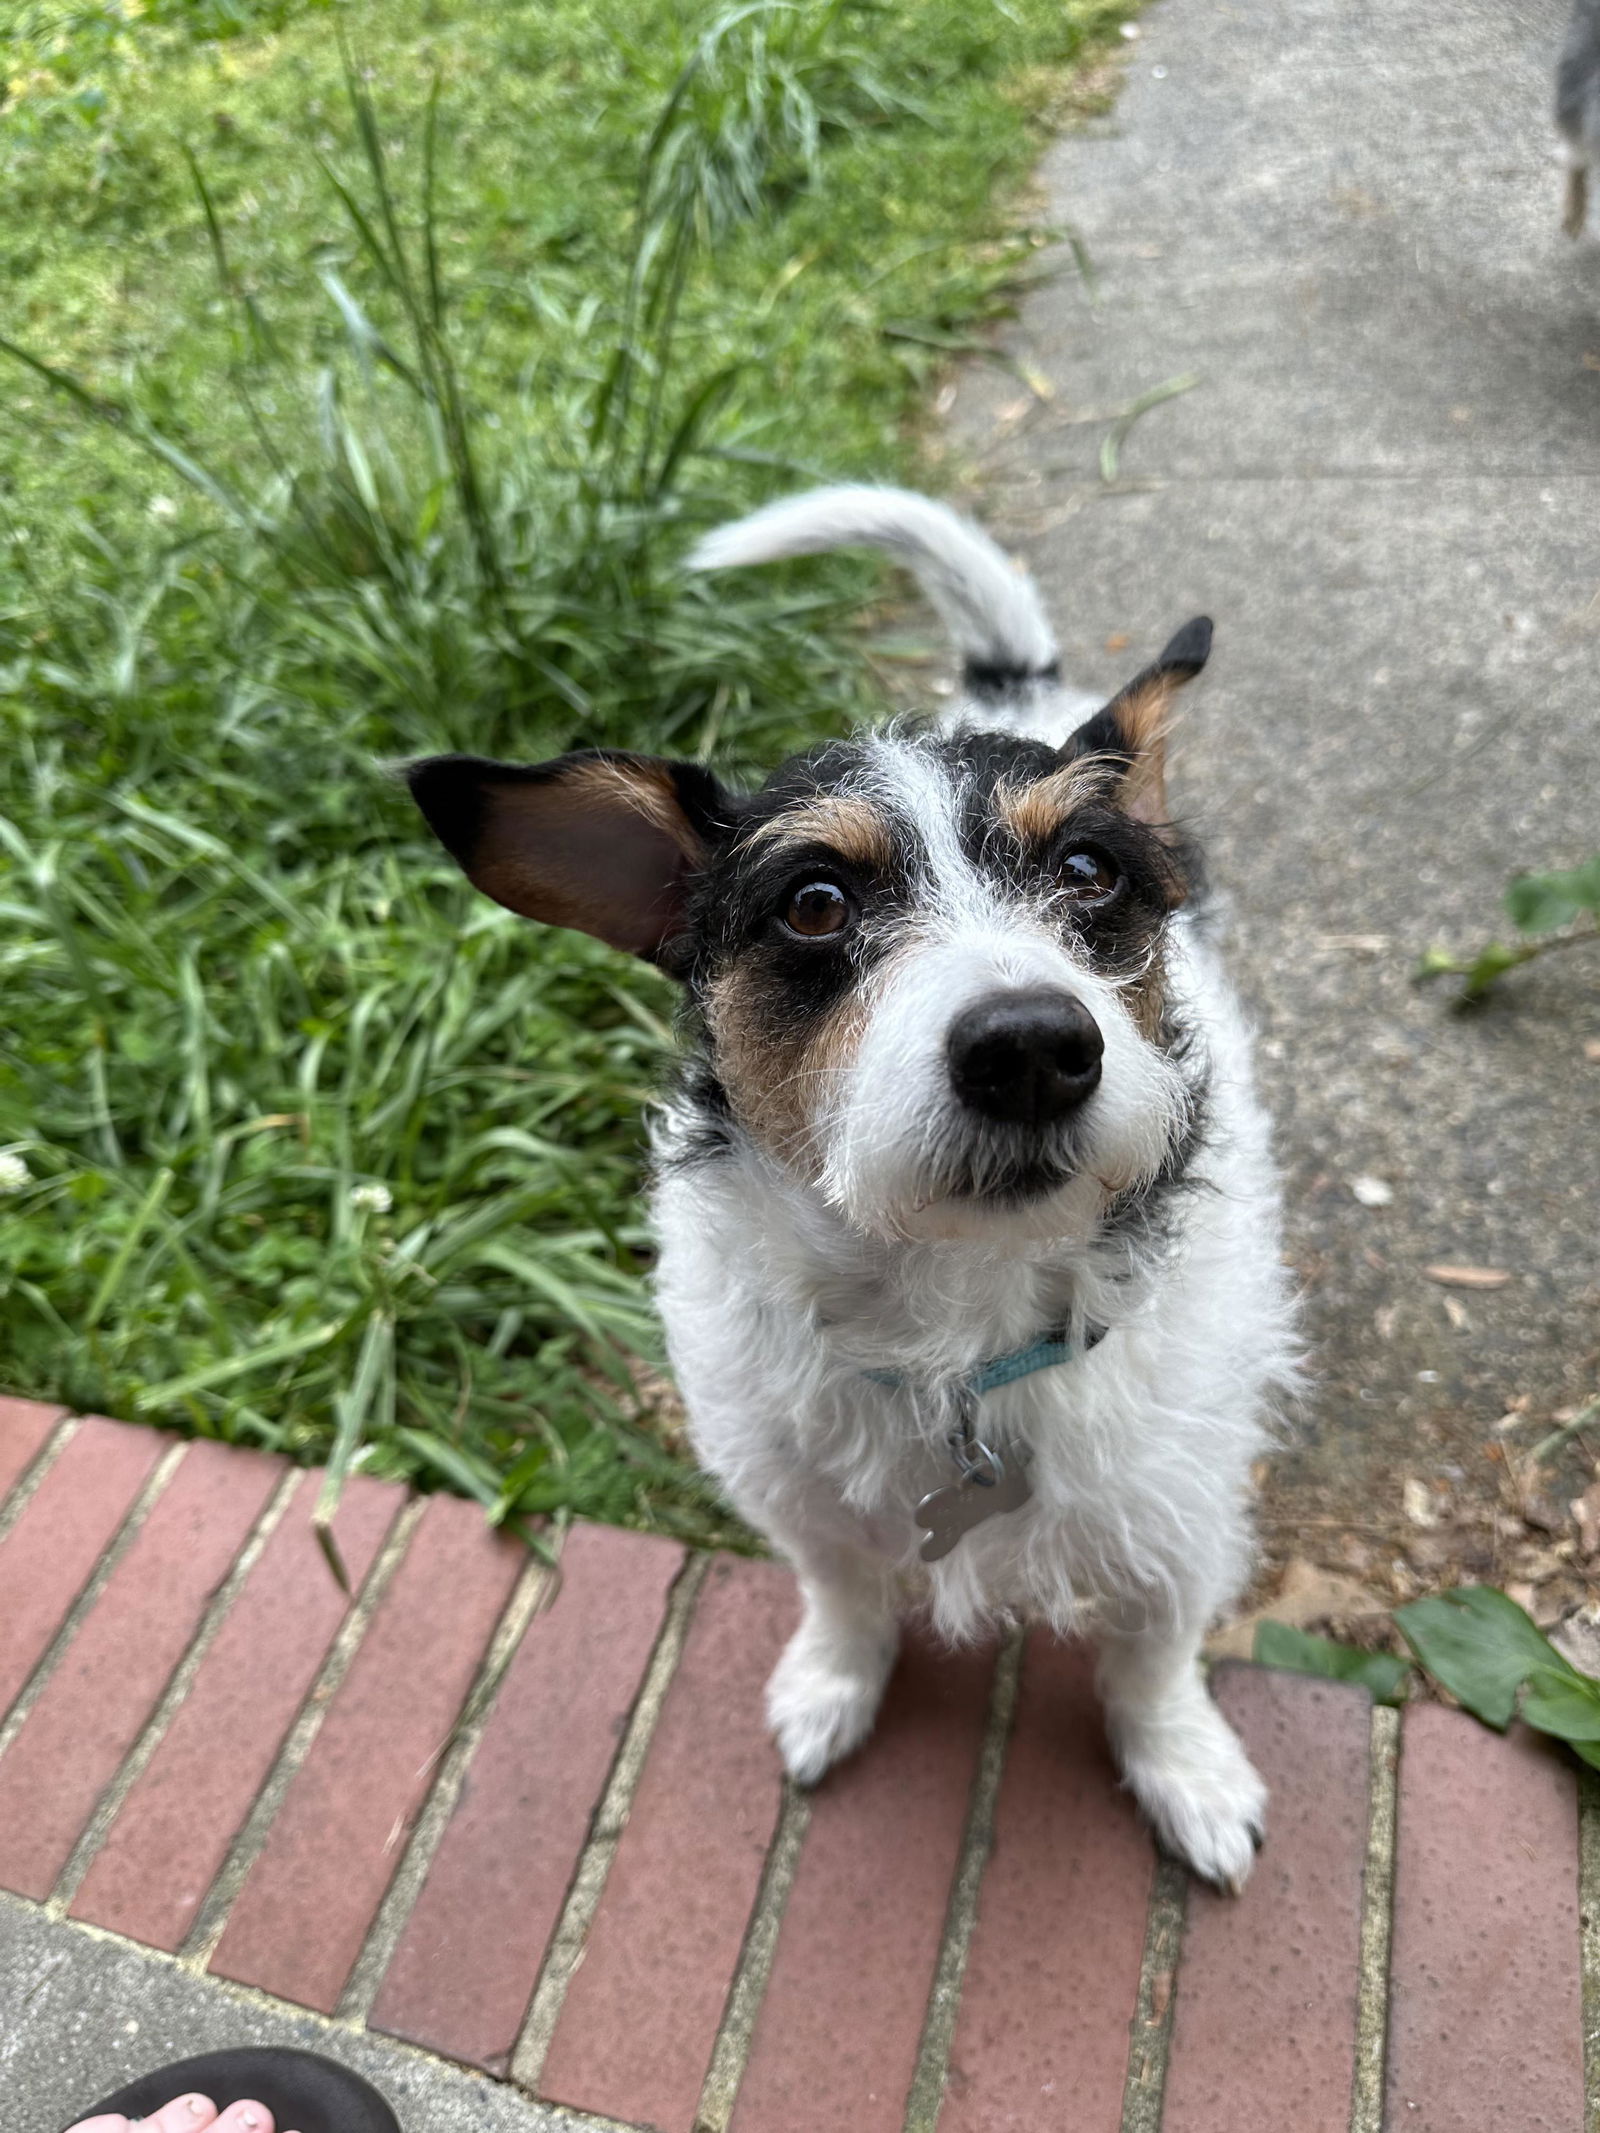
point(304, 2093)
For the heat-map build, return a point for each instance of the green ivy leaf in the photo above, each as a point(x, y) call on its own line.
point(1297, 1652)
point(1481, 1647)
point(1539, 903)
point(1566, 1704)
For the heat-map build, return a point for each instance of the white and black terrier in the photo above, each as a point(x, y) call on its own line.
point(969, 1238)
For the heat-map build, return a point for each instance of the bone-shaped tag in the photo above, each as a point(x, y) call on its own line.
point(946, 1515)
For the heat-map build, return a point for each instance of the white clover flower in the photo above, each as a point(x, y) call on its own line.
point(371, 1199)
point(14, 1173)
point(162, 507)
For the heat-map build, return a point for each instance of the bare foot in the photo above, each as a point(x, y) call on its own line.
point(186, 2114)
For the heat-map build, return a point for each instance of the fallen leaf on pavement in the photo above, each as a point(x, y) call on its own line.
point(1469, 1277)
point(1586, 1510)
point(1577, 1639)
point(1306, 1595)
point(1539, 1511)
point(1548, 1606)
point(1421, 1505)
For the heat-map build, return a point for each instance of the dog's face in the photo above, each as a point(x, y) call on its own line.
point(928, 970)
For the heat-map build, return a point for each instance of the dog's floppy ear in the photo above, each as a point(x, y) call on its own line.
point(601, 840)
point(1134, 724)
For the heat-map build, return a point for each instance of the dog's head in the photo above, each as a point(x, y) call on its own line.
point(928, 969)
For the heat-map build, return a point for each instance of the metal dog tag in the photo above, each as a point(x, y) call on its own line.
point(989, 1486)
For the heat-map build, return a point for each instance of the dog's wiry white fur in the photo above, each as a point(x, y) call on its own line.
point(780, 1290)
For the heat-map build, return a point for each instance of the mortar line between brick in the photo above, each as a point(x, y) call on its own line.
point(594, 1861)
point(1150, 2033)
point(116, 1548)
point(109, 1805)
point(926, 2096)
point(309, 2021)
point(535, 1588)
point(1377, 1924)
point(17, 1497)
point(212, 1915)
point(731, 2052)
point(1589, 1918)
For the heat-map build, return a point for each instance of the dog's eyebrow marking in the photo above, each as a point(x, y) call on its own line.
point(851, 825)
point(1033, 813)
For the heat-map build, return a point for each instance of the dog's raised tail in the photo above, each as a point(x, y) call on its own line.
point(990, 607)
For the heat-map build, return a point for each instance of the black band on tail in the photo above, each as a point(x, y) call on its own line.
point(993, 677)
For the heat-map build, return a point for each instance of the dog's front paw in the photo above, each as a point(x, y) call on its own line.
point(1202, 1796)
point(823, 1698)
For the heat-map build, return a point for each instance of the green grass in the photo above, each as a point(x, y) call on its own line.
point(362, 407)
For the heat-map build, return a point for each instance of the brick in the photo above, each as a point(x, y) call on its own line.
point(25, 1428)
point(1486, 2017)
point(298, 1924)
point(468, 1961)
point(636, 2033)
point(1052, 1974)
point(110, 1678)
point(1264, 2030)
point(153, 1872)
point(836, 2040)
point(49, 1554)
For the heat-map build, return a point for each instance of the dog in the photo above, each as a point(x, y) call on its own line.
point(968, 1223)
point(1578, 108)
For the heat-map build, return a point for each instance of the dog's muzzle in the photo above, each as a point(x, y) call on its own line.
point(1025, 1058)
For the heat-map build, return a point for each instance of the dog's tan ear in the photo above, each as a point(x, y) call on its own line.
point(601, 841)
point(1134, 724)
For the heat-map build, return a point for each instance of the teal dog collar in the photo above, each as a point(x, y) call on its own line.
point(987, 1482)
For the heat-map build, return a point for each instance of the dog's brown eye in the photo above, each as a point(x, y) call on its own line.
point(1089, 877)
point(817, 910)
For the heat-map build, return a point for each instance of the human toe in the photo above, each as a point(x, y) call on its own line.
point(185, 2114)
point(245, 2117)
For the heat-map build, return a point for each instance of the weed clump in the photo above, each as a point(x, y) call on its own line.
point(300, 1144)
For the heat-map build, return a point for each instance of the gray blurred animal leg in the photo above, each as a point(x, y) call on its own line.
point(1577, 209)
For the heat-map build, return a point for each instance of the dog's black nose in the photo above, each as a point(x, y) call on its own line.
point(1025, 1057)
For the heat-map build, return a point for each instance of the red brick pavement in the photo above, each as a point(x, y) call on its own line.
point(466, 1966)
point(1053, 1968)
point(1486, 2026)
point(679, 1947)
point(680, 1894)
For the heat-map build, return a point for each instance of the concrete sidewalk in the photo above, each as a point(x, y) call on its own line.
point(1342, 219)
point(515, 1844)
